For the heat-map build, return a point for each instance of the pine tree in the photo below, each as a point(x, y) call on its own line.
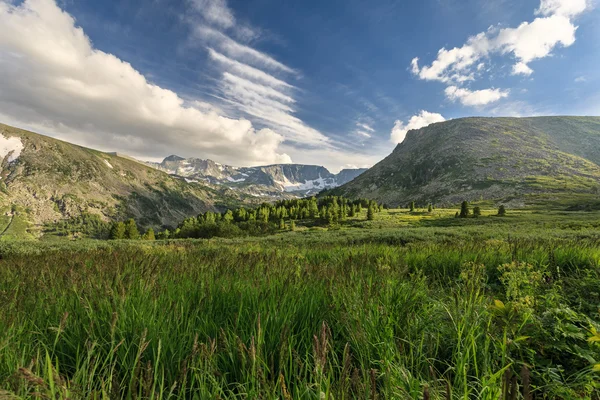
point(412, 206)
point(149, 235)
point(476, 211)
point(430, 208)
point(464, 209)
point(117, 231)
point(282, 224)
point(370, 214)
point(501, 211)
point(131, 230)
point(351, 211)
point(293, 225)
point(331, 215)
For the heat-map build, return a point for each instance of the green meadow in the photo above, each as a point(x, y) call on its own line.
point(408, 305)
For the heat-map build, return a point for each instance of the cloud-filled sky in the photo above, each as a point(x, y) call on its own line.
point(250, 82)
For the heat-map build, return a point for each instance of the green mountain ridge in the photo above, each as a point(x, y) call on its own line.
point(515, 161)
point(51, 180)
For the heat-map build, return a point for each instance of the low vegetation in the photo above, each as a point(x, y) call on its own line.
point(404, 305)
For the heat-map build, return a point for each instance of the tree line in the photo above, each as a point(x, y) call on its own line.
point(271, 218)
point(264, 219)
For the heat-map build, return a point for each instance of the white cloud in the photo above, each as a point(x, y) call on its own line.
point(240, 52)
point(254, 83)
point(215, 11)
point(365, 127)
point(567, 8)
point(364, 130)
point(521, 68)
point(475, 98)
point(527, 42)
point(247, 71)
point(537, 39)
point(421, 120)
point(53, 79)
point(580, 79)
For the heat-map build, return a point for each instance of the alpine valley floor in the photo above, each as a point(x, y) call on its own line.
point(410, 305)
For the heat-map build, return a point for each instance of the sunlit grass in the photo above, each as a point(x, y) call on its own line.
point(406, 306)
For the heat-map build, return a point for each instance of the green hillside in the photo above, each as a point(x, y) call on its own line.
point(52, 180)
point(518, 161)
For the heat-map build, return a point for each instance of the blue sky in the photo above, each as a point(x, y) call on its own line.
point(249, 82)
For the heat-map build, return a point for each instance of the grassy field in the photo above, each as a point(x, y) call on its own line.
point(407, 306)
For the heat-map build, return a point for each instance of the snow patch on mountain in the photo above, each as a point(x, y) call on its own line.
point(309, 185)
point(11, 147)
point(275, 181)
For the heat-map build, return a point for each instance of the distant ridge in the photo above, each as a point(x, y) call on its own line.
point(278, 181)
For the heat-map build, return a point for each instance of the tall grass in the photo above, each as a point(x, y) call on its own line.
point(281, 319)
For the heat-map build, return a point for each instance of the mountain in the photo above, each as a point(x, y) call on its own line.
point(48, 180)
point(515, 161)
point(270, 182)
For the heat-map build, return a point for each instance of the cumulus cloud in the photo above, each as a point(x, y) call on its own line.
point(475, 98)
point(54, 79)
point(421, 120)
point(528, 42)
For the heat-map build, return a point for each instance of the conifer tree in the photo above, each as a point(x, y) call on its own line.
point(430, 208)
point(476, 211)
point(293, 225)
point(149, 235)
point(370, 214)
point(412, 206)
point(282, 224)
point(131, 230)
point(351, 211)
point(117, 231)
point(464, 209)
point(501, 211)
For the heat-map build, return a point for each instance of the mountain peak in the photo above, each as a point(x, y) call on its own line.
point(173, 158)
point(516, 160)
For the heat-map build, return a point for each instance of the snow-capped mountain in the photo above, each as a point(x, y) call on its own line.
point(279, 181)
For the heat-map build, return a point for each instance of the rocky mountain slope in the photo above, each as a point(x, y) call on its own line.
point(517, 161)
point(272, 181)
point(48, 180)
